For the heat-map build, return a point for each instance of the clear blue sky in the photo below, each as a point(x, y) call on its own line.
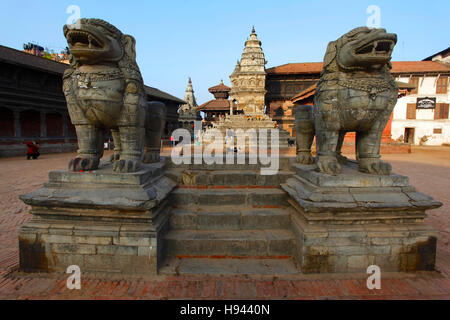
point(204, 38)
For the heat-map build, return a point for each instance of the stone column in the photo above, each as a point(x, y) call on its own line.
point(43, 125)
point(17, 127)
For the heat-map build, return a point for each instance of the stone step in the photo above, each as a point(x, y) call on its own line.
point(210, 178)
point(235, 218)
point(245, 197)
point(275, 243)
point(284, 164)
point(176, 266)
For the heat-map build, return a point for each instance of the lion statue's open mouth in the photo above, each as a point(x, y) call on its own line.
point(94, 40)
point(376, 48)
point(365, 48)
point(78, 39)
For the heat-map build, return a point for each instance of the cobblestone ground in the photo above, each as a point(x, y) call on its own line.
point(428, 169)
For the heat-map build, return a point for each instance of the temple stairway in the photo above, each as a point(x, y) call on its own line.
point(229, 219)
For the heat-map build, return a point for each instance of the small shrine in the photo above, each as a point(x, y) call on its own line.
point(188, 112)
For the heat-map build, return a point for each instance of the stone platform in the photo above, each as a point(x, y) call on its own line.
point(243, 123)
point(99, 220)
point(345, 223)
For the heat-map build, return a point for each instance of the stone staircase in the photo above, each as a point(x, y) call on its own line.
point(229, 219)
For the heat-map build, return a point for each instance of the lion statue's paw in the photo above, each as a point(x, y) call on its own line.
point(151, 157)
point(126, 165)
point(305, 158)
point(329, 165)
point(83, 163)
point(374, 166)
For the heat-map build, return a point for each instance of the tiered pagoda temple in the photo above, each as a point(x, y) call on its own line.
point(220, 106)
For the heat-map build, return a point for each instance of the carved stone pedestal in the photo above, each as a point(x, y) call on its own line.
point(101, 221)
point(347, 222)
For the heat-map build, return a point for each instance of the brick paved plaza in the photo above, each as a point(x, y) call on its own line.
point(427, 167)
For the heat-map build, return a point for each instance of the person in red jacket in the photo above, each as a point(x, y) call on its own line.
point(33, 150)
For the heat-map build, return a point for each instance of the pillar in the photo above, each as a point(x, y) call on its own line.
point(43, 125)
point(17, 127)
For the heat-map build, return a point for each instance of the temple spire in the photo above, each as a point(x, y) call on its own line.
point(189, 95)
point(249, 77)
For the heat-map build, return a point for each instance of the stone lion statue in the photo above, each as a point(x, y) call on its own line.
point(104, 90)
point(356, 92)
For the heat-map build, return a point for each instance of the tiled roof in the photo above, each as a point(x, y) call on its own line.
point(397, 67)
point(403, 88)
point(418, 66)
point(219, 88)
point(14, 56)
point(216, 104)
point(153, 92)
point(444, 53)
point(305, 93)
point(295, 68)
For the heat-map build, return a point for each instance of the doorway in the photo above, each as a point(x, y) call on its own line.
point(409, 135)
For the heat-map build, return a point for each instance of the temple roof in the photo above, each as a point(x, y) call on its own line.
point(14, 56)
point(220, 91)
point(219, 88)
point(216, 104)
point(309, 92)
point(397, 67)
point(296, 68)
point(220, 101)
point(153, 92)
point(17, 57)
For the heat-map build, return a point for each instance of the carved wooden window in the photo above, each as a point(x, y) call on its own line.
point(441, 111)
point(411, 111)
point(414, 81)
point(441, 85)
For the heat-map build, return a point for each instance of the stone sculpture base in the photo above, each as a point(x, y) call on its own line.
point(348, 222)
point(101, 221)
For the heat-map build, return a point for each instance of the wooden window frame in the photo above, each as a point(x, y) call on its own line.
point(412, 80)
point(441, 112)
point(442, 85)
point(408, 107)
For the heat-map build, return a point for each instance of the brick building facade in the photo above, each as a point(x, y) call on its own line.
point(33, 106)
point(294, 83)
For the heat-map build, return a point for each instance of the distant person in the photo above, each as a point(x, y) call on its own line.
point(33, 150)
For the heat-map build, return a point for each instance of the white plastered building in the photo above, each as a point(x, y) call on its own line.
point(422, 116)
